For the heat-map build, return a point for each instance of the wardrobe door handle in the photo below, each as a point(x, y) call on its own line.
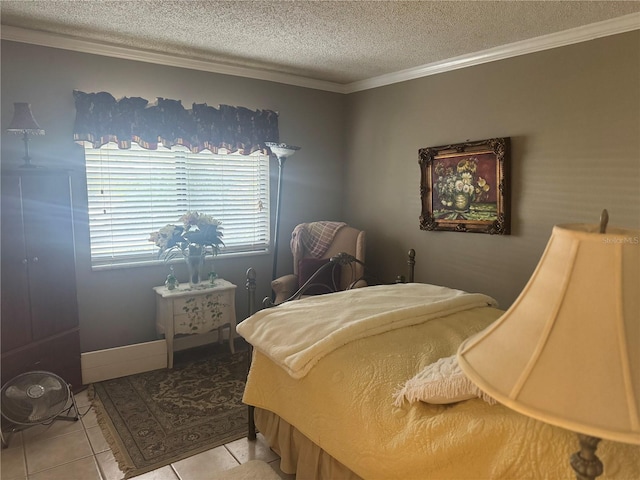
point(24, 261)
point(35, 260)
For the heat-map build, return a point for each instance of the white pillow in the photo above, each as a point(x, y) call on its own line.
point(441, 382)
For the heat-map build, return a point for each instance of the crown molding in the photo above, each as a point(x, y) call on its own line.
point(46, 39)
point(584, 33)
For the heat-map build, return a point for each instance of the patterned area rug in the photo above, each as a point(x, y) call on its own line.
point(156, 418)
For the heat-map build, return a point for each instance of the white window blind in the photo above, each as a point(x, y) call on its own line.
point(135, 192)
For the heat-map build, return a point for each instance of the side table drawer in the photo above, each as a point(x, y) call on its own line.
point(182, 324)
point(210, 302)
point(208, 305)
point(194, 324)
point(204, 307)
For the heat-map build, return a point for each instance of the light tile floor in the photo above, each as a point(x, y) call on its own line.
point(78, 451)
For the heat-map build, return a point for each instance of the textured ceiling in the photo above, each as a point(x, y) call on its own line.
point(337, 41)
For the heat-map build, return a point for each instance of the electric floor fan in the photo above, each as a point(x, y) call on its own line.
point(36, 398)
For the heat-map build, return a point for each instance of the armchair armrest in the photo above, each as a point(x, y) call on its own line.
point(284, 287)
point(360, 284)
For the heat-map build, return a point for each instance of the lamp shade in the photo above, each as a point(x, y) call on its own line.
point(23, 121)
point(282, 150)
point(567, 352)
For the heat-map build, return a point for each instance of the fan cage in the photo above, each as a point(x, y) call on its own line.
point(31, 403)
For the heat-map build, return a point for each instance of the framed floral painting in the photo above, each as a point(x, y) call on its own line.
point(465, 187)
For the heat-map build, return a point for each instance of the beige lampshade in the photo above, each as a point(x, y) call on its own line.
point(567, 352)
point(23, 121)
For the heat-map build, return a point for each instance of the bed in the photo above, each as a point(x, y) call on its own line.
point(328, 383)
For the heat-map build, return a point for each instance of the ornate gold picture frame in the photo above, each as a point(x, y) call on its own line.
point(465, 187)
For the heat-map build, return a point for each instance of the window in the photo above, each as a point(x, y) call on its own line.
point(135, 192)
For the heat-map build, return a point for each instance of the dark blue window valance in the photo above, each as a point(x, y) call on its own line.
point(100, 119)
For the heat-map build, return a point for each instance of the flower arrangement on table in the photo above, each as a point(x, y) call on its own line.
point(196, 235)
point(458, 189)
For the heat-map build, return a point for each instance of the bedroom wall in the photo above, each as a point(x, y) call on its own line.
point(573, 115)
point(117, 307)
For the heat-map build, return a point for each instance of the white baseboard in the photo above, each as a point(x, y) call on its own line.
point(121, 361)
point(141, 357)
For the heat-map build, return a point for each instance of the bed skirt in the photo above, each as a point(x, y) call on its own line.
point(298, 454)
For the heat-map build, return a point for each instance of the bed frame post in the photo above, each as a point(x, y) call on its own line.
point(412, 264)
point(251, 295)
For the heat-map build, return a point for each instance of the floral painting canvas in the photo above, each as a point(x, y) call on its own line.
point(464, 187)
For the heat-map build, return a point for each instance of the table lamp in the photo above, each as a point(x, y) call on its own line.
point(567, 352)
point(24, 123)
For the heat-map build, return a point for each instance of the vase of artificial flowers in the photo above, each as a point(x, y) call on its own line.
point(197, 235)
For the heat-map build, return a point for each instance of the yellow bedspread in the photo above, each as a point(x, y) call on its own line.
point(345, 405)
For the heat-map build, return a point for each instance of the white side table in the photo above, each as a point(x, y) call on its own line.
point(195, 310)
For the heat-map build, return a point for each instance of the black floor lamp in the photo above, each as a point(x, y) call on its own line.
point(282, 151)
